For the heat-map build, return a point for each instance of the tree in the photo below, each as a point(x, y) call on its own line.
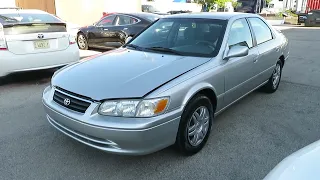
point(268, 1)
point(206, 3)
point(222, 3)
point(236, 4)
point(210, 3)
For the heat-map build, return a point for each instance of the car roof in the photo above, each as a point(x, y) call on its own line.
point(211, 15)
point(22, 11)
point(9, 7)
point(139, 14)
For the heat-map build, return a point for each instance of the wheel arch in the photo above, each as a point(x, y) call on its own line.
point(82, 32)
point(202, 88)
point(281, 58)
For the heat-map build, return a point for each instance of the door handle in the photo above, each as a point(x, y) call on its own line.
point(277, 49)
point(255, 60)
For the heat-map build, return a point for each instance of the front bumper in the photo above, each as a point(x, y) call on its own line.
point(132, 136)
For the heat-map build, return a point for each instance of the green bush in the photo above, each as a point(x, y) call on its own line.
point(291, 13)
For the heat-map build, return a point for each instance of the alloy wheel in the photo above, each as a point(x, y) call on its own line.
point(82, 42)
point(198, 125)
point(276, 76)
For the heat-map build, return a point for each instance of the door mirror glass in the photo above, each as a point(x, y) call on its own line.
point(237, 51)
point(128, 39)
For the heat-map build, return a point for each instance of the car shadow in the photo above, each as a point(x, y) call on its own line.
point(25, 78)
point(99, 50)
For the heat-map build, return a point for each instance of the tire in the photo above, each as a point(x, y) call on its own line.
point(2, 81)
point(82, 41)
point(186, 144)
point(272, 84)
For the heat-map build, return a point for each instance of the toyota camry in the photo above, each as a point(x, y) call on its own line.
point(166, 85)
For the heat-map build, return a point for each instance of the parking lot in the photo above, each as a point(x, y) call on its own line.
point(247, 140)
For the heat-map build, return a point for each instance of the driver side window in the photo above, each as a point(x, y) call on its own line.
point(240, 34)
point(107, 21)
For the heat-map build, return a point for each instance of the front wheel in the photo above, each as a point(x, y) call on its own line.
point(3, 81)
point(82, 41)
point(195, 125)
point(274, 81)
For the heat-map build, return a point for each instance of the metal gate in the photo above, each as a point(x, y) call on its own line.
point(45, 5)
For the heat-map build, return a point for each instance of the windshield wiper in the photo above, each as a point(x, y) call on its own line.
point(133, 46)
point(163, 49)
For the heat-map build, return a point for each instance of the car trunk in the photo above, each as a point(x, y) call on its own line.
point(27, 38)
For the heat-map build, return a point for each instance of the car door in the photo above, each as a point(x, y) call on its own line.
point(102, 33)
point(238, 70)
point(269, 50)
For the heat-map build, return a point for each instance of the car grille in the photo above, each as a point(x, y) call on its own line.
point(71, 102)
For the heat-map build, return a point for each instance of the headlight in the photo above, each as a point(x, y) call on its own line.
point(134, 108)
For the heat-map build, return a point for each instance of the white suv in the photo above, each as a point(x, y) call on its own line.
point(34, 40)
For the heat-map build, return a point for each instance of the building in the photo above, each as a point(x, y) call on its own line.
point(173, 5)
point(7, 3)
point(295, 5)
point(81, 12)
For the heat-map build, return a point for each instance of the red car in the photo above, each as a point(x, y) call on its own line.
point(104, 14)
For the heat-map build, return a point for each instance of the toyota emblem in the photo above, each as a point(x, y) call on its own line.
point(40, 36)
point(66, 102)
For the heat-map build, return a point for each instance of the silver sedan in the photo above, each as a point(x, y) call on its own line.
point(166, 85)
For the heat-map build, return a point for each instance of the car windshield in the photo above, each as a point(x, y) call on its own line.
point(183, 36)
point(29, 17)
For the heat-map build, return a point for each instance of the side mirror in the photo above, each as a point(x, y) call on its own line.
point(237, 51)
point(128, 39)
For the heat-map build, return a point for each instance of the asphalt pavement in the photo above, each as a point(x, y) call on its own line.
point(247, 141)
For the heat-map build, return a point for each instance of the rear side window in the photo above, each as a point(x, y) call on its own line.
point(28, 18)
point(126, 20)
point(261, 30)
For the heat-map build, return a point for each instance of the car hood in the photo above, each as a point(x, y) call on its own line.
point(123, 73)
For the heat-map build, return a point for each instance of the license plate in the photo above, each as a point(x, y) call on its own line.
point(43, 44)
point(318, 19)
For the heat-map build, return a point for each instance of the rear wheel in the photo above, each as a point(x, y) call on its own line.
point(82, 41)
point(195, 125)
